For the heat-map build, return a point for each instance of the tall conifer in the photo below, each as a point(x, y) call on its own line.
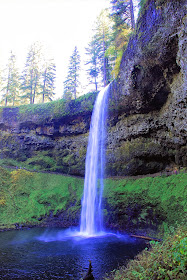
point(72, 81)
point(31, 74)
point(10, 82)
point(48, 76)
point(92, 51)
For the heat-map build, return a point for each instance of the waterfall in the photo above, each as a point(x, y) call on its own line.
point(91, 215)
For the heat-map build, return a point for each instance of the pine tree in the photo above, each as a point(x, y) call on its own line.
point(123, 12)
point(48, 80)
point(72, 81)
point(11, 81)
point(93, 62)
point(6, 89)
point(103, 34)
point(15, 82)
point(132, 14)
point(31, 74)
point(123, 18)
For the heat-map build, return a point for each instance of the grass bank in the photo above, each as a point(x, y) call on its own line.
point(146, 205)
point(27, 197)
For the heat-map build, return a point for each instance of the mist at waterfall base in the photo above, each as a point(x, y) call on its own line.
point(65, 253)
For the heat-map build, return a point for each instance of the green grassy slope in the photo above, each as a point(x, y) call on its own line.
point(27, 196)
point(146, 203)
point(132, 204)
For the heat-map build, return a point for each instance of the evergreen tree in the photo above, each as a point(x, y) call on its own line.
point(102, 51)
point(11, 81)
point(103, 34)
point(31, 74)
point(47, 80)
point(15, 82)
point(123, 18)
point(93, 62)
point(72, 81)
point(123, 12)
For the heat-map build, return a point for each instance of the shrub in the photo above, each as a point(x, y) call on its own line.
point(166, 260)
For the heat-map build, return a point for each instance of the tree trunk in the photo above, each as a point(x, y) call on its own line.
point(75, 85)
point(43, 95)
point(7, 88)
point(31, 97)
point(31, 84)
point(132, 15)
point(95, 83)
point(104, 61)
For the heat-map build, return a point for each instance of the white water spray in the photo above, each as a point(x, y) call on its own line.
point(91, 215)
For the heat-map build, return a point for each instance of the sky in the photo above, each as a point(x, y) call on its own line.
point(59, 25)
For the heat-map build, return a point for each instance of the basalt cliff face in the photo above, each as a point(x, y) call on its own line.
point(150, 128)
point(52, 138)
point(147, 108)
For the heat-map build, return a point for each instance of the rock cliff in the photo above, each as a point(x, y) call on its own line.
point(147, 109)
point(149, 129)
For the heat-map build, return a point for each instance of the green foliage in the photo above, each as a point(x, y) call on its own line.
point(146, 203)
point(101, 60)
point(142, 5)
point(31, 74)
point(40, 162)
point(166, 260)
point(123, 22)
point(93, 51)
point(10, 84)
point(72, 81)
point(4, 182)
point(47, 81)
point(37, 79)
point(57, 109)
point(121, 13)
point(28, 196)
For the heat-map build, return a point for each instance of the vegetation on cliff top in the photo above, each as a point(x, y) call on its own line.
point(58, 109)
point(51, 110)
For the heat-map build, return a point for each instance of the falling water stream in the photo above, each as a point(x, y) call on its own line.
point(91, 215)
